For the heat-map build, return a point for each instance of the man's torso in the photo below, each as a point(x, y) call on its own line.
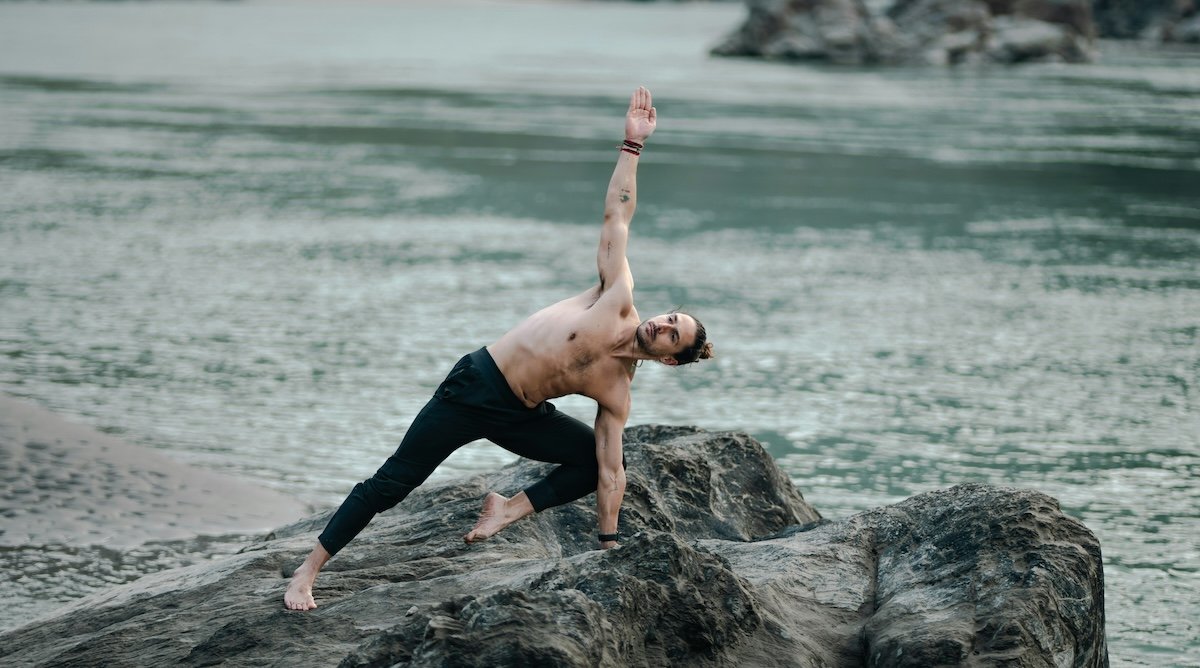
point(568, 348)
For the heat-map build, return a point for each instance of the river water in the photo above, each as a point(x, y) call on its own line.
point(255, 236)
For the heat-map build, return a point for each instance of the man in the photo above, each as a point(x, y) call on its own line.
point(589, 344)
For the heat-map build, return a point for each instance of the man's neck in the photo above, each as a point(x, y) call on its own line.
point(627, 347)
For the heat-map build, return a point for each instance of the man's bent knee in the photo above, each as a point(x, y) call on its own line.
point(383, 494)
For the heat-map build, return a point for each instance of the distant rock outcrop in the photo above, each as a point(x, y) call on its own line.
point(1157, 20)
point(725, 564)
point(915, 31)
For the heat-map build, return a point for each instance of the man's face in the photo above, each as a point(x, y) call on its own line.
point(666, 335)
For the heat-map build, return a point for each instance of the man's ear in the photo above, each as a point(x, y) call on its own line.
point(669, 361)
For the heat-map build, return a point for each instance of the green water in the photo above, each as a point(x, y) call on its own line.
point(256, 236)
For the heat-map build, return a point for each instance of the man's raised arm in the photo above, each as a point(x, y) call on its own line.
point(621, 199)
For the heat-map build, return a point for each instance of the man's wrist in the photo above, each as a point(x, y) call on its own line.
point(631, 147)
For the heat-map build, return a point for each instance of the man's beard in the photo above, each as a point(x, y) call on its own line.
point(641, 343)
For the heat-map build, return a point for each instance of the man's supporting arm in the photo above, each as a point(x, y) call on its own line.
point(610, 487)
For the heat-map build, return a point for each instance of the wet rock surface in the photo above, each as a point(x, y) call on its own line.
point(723, 563)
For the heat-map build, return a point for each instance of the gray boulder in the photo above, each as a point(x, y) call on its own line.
point(915, 31)
point(726, 565)
point(1016, 40)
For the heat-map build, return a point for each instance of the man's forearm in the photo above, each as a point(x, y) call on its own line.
point(640, 121)
point(609, 493)
point(621, 199)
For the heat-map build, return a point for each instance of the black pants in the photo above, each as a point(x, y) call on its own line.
point(474, 402)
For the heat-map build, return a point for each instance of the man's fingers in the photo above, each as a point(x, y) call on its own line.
point(640, 99)
point(653, 115)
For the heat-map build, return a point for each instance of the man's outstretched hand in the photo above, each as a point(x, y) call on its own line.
point(641, 118)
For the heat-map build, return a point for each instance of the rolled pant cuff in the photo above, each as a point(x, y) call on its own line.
point(541, 496)
point(328, 543)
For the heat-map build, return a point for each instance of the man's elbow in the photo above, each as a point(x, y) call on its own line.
point(615, 215)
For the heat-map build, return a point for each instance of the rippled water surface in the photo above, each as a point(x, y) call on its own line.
point(256, 236)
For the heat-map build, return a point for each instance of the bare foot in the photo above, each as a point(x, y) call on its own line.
point(299, 592)
point(491, 519)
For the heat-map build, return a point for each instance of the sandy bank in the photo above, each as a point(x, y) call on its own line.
point(69, 484)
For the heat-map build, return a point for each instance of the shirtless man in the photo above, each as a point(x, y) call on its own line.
point(588, 344)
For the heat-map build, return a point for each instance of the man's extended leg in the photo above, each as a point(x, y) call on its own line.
point(438, 430)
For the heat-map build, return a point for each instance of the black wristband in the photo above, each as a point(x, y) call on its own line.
point(607, 537)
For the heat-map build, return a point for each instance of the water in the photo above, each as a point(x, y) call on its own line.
point(256, 236)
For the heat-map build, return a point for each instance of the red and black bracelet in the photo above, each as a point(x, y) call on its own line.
point(631, 147)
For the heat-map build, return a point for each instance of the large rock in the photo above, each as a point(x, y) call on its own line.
point(914, 31)
point(838, 31)
point(727, 566)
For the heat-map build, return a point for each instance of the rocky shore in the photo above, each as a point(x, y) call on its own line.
point(724, 563)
